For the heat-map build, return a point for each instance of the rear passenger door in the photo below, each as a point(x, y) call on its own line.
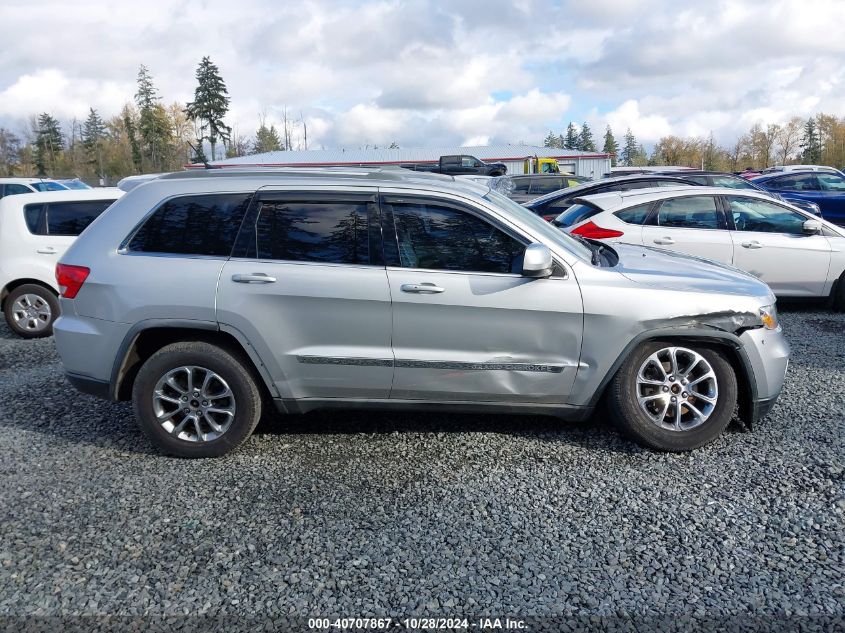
point(307, 286)
point(694, 225)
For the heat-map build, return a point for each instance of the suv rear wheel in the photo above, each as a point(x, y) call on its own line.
point(30, 310)
point(674, 398)
point(194, 399)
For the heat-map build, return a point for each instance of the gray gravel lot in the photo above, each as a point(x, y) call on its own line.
point(393, 514)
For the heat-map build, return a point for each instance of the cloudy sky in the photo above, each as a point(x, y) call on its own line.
point(422, 72)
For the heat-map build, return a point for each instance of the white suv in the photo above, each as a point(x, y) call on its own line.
point(35, 230)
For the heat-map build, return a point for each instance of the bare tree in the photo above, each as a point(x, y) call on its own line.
point(789, 138)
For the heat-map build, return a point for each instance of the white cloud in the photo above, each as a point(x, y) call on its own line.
point(425, 72)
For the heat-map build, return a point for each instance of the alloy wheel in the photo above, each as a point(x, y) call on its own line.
point(677, 389)
point(194, 404)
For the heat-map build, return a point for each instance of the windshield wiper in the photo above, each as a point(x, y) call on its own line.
point(595, 249)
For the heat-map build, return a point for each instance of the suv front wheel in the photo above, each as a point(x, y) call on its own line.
point(673, 398)
point(194, 399)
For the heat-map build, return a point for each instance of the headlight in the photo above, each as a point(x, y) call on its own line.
point(769, 317)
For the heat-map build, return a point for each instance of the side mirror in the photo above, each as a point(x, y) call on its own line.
point(537, 261)
point(812, 227)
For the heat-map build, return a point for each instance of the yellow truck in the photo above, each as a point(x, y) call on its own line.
point(536, 165)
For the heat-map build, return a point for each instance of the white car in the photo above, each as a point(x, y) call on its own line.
point(796, 253)
point(35, 231)
point(14, 186)
point(778, 168)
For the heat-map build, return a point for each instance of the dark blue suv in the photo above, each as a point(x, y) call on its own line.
point(826, 189)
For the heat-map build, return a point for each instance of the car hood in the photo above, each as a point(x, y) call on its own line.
point(671, 270)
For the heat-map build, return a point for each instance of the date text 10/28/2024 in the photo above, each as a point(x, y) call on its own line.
point(376, 624)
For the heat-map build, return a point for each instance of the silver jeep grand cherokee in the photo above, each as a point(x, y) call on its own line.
point(205, 296)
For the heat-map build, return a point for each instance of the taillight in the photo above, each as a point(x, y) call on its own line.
point(549, 218)
point(595, 232)
point(70, 279)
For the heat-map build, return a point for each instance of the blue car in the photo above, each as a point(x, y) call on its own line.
point(826, 189)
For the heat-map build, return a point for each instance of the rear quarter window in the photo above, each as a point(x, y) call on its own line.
point(635, 215)
point(575, 214)
point(192, 225)
point(63, 218)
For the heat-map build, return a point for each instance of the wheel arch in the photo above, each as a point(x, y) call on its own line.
point(146, 339)
point(725, 342)
point(17, 283)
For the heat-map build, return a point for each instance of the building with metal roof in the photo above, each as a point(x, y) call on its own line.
point(590, 164)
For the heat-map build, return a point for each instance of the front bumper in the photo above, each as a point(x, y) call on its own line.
point(767, 352)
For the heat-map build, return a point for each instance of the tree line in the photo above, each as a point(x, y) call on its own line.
point(146, 136)
point(149, 136)
point(818, 140)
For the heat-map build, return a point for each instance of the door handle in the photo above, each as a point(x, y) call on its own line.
point(423, 288)
point(664, 240)
point(253, 278)
point(752, 244)
point(47, 250)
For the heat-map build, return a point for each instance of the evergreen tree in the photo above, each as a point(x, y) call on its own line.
point(811, 144)
point(49, 142)
point(551, 140)
point(630, 150)
point(571, 140)
point(266, 140)
point(93, 135)
point(93, 130)
point(210, 105)
point(154, 130)
point(585, 139)
point(129, 129)
point(610, 146)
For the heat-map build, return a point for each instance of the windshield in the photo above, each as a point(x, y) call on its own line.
point(75, 184)
point(539, 226)
point(46, 185)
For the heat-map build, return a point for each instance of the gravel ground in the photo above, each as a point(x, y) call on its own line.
point(354, 514)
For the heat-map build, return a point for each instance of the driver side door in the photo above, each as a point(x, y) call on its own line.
point(467, 326)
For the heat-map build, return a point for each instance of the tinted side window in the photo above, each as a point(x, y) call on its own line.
point(575, 214)
point(193, 225)
point(324, 231)
point(34, 216)
point(734, 182)
point(800, 182)
point(701, 180)
point(546, 185)
point(520, 185)
point(751, 214)
point(71, 218)
point(13, 189)
point(693, 212)
point(439, 237)
point(635, 215)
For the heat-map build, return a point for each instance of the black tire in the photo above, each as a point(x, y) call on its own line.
point(839, 295)
point(44, 294)
point(626, 411)
point(229, 367)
